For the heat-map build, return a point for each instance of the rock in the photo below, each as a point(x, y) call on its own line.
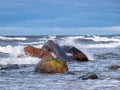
point(36, 52)
point(56, 50)
point(51, 66)
point(9, 67)
point(114, 66)
point(89, 76)
point(75, 53)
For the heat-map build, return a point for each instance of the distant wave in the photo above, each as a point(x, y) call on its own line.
point(92, 41)
point(97, 38)
point(109, 45)
point(12, 38)
point(90, 45)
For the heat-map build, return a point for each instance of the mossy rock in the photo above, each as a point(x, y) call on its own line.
point(51, 66)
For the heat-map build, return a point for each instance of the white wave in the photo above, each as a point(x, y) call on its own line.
point(16, 51)
point(52, 37)
point(109, 45)
point(12, 38)
point(13, 50)
point(94, 38)
point(98, 39)
point(13, 60)
point(32, 43)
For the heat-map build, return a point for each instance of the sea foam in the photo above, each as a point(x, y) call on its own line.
point(12, 38)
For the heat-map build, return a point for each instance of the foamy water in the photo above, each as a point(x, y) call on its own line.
point(12, 38)
point(101, 50)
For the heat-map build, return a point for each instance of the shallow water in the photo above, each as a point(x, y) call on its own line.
point(25, 78)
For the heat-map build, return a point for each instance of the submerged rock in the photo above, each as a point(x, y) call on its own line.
point(75, 53)
point(89, 76)
point(36, 52)
point(51, 66)
point(114, 66)
point(56, 50)
point(9, 67)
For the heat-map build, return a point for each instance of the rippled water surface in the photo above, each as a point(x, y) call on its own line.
point(102, 51)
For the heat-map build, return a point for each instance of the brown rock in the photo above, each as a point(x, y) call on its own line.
point(56, 50)
point(36, 52)
point(79, 57)
point(51, 66)
point(76, 54)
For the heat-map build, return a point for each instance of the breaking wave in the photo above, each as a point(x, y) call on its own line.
point(12, 38)
point(92, 44)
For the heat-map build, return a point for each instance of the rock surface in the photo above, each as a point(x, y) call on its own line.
point(36, 52)
point(51, 66)
point(56, 50)
point(76, 54)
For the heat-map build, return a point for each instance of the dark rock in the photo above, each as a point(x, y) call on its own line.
point(51, 66)
point(114, 66)
point(9, 67)
point(76, 54)
point(36, 52)
point(89, 76)
point(56, 50)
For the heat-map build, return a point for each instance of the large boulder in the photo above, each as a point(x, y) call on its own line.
point(56, 50)
point(36, 52)
point(51, 66)
point(75, 53)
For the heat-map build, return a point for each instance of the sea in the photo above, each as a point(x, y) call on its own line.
point(102, 51)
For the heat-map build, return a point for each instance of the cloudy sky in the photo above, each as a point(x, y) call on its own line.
point(59, 17)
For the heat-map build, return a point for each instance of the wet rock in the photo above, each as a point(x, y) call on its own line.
point(89, 76)
point(36, 52)
point(9, 67)
point(56, 50)
point(114, 66)
point(51, 66)
point(75, 53)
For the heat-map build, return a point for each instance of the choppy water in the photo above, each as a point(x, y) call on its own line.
point(101, 50)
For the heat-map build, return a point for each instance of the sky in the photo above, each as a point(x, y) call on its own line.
point(59, 17)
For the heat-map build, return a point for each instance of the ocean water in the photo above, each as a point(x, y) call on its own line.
point(102, 52)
